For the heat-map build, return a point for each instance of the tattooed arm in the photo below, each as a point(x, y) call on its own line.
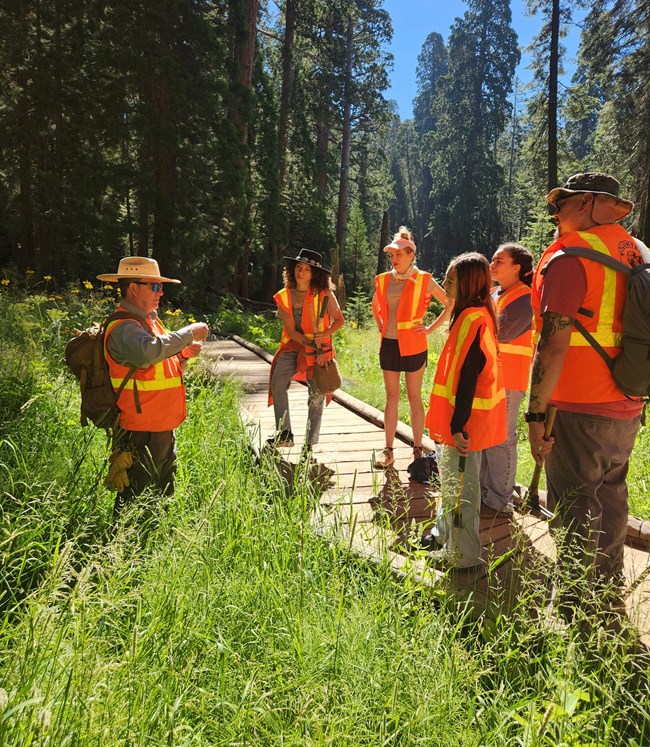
point(547, 367)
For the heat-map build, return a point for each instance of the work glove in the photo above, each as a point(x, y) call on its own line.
point(117, 477)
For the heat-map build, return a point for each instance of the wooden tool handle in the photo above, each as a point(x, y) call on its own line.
point(548, 429)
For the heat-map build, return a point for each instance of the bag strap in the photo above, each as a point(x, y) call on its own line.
point(118, 316)
point(587, 253)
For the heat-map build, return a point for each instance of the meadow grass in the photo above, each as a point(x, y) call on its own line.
point(228, 621)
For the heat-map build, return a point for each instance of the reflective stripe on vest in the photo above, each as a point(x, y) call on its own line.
point(159, 387)
point(487, 422)
point(516, 355)
point(283, 301)
point(409, 312)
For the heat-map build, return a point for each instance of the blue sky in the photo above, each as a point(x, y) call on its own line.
point(414, 20)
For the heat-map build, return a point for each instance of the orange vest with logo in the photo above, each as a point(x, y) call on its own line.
point(516, 355)
point(159, 387)
point(412, 306)
point(585, 377)
point(283, 300)
point(487, 422)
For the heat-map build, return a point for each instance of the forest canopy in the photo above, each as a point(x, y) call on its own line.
point(220, 136)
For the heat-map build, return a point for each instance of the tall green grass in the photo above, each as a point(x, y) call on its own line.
point(228, 621)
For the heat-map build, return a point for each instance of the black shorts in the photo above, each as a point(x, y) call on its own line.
point(391, 360)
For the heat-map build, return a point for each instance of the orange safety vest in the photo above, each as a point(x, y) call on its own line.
point(283, 300)
point(412, 306)
point(516, 355)
point(487, 422)
point(159, 387)
point(585, 377)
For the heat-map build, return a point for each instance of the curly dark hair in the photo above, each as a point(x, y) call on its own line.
point(320, 280)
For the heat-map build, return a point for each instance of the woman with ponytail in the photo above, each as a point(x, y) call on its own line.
point(398, 306)
point(512, 269)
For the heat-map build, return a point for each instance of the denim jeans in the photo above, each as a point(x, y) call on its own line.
point(285, 368)
point(499, 463)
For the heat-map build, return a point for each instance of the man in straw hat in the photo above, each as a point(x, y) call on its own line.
point(152, 404)
point(595, 427)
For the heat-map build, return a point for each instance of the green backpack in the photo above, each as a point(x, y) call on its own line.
point(84, 355)
point(630, 369)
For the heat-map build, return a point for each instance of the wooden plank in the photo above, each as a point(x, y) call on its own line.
point(379, 514)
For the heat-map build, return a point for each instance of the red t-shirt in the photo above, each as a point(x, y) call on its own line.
point(563, 291)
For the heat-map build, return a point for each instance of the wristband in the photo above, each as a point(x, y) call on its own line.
point(534, 417)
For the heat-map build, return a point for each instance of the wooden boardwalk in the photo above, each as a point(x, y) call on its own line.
point(376, 513)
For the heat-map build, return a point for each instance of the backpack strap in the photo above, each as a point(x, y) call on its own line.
point(587, 253)
point(120, 315)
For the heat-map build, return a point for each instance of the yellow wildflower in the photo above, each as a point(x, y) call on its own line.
point(47, 278)
point(88, 285)
point(4, 281)
point(169, 312)
point(191, 319)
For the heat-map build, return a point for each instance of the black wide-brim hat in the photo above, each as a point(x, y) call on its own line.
point(307, 257)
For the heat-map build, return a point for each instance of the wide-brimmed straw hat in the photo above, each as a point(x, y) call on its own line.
point(137, 268)
point(308, 257)
point(400, 244)
point(597, 184)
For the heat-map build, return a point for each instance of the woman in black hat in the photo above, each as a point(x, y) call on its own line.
point(303, 345)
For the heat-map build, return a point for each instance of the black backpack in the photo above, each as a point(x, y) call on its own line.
point(425, 469)
point(84, 355)
point(631, 368)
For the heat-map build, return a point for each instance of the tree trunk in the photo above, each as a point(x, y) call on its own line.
point(384, 240)
point(551, 180)
point(245, 24)
point(277, 243)
point(322, 146)
point(165, 158)
point(24, 256)
point(346, 144)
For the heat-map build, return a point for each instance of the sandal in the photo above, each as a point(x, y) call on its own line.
point(385, 458)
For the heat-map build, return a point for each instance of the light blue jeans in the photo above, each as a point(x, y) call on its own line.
point(460, 538)
point(285, 368)
point(499, 463)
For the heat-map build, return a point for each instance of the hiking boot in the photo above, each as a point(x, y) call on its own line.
point(283, 438)
point(385, 459)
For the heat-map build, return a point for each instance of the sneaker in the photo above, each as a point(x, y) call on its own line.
point(283, 438)
point(385, 459)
